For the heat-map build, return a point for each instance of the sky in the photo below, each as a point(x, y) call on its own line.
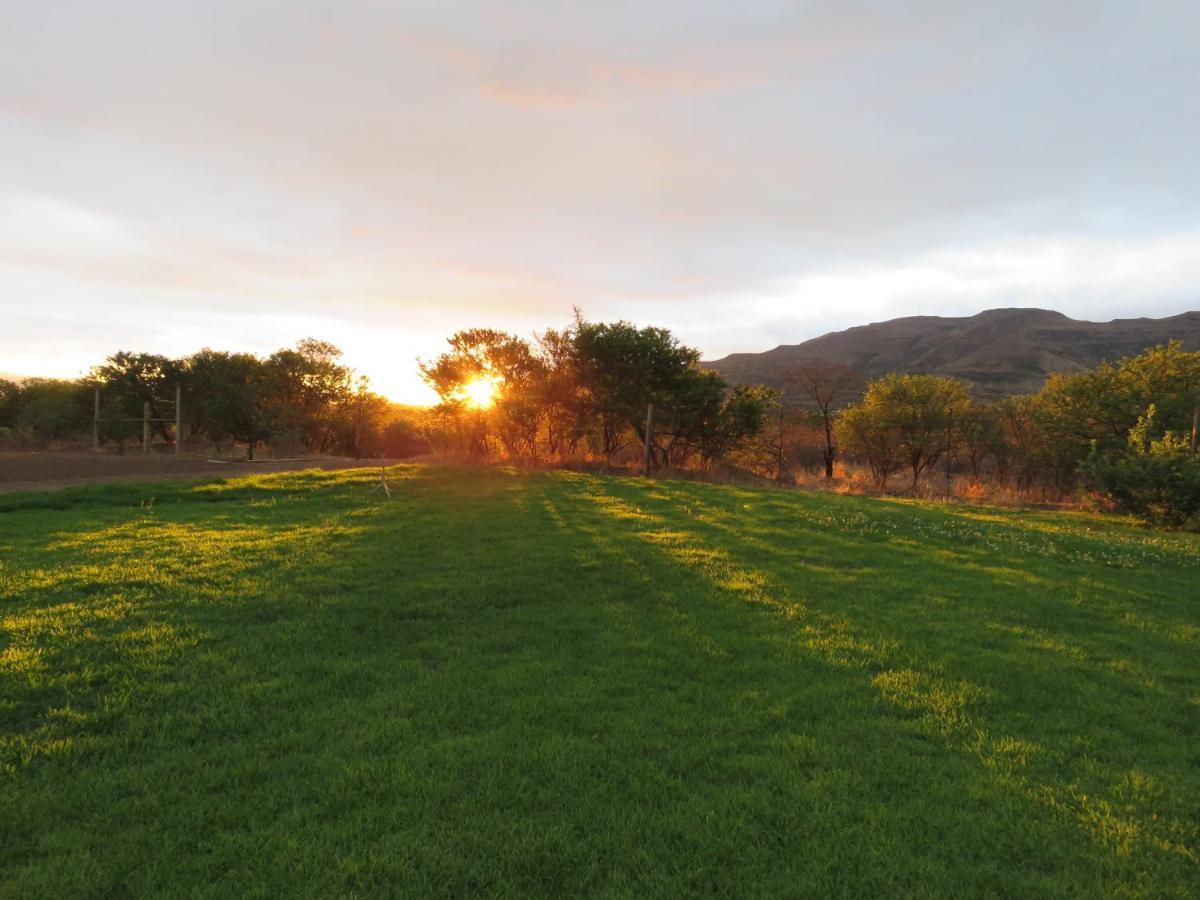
point(244, 174)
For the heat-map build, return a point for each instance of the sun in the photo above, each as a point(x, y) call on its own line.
point(480, 392)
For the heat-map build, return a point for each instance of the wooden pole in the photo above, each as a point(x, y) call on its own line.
point(779, 469)
point(178, 418)
point(145, 427)
point(1195, 429)
point(96, 421)
point(358, 426)
point(649, 431)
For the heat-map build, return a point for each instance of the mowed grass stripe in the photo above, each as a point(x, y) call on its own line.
point(535, 684)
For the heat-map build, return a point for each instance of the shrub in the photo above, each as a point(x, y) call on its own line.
point(1155, 479)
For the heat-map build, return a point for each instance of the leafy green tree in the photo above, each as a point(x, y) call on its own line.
point(864, 434)
point(45, 409)
point(979, 438)
point(1156, 478)
point(911, 418)
point(623, 368)
point(10, 393)
point(308, 391)
point(706, 420)
point(1073, 412)
point(128, 381)
point(1167, 376)
point(226, 396)
point(743, 416)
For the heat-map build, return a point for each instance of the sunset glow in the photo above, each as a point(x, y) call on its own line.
point(747, 175)
point(480, 392)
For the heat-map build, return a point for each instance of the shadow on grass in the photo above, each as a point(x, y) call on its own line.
point(500, 682)
point(1094, 735)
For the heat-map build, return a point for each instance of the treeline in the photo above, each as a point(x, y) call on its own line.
point(1126, 431)
point(624, 394)
point(300, 399)
point(592, 389)
point(633, 396)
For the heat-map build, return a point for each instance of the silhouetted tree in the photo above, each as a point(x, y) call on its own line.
point(829, 386)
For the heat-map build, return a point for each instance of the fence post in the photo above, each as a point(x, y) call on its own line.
point(96, 421)
point(649, 430)
point(779, 469)
point(145, 427)
point(178, 417)
point(358, 425)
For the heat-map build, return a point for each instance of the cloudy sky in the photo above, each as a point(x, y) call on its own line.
point(243, 174)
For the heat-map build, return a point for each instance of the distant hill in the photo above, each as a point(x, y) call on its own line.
point(1001, 351)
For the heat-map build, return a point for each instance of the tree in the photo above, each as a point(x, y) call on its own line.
point(44, 409)
point(513, 375)
point(623, 368)
point(1167, 376)
point(10, 393)
point(915, 414)
point(590, 380)
point(773, 447)
point(828, 385)
point(1099, 406)
point(226, 396)
point(562, 397)
point(306, 388)
point(742, 416)
point(702, 418)
point(131, 381)
point(980, 437)
point(863, 433)
point(404, 432)
point(1156, 478)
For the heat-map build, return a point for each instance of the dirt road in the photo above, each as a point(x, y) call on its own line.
point(48, 470)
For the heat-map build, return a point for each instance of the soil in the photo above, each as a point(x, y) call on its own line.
point(47, 470)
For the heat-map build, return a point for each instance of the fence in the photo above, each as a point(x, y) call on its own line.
point(146, 420)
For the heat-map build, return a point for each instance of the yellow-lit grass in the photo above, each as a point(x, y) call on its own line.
point(556, 684)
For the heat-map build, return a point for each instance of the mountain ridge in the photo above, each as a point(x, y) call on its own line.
point(999, 351)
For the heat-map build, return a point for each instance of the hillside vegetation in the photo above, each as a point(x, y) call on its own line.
point(546, 684)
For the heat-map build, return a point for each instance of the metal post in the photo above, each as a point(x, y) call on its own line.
point(96, 421)
point(649, 430)
point(145, 427)
point(178, 418)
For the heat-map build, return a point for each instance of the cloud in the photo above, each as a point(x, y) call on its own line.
point(715, 168)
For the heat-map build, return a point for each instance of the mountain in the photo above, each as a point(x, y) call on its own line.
point(1001, 351)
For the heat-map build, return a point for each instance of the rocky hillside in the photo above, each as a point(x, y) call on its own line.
point(1001, 351)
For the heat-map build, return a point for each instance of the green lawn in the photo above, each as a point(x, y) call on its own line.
point(511, 684)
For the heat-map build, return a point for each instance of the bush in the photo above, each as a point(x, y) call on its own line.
point(1157, 480)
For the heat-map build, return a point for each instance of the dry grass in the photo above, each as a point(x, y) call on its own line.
point(855, 479)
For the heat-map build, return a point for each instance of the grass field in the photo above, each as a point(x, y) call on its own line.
point(513, 684)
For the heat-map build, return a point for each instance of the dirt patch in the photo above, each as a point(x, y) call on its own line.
point(48, 470)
